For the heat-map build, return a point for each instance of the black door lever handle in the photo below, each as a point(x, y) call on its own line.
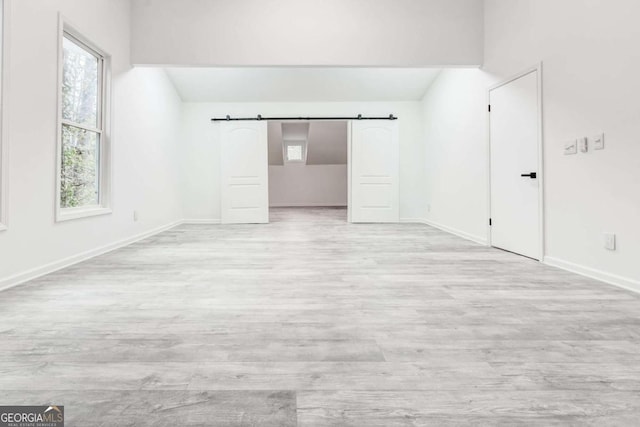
point(532, 175)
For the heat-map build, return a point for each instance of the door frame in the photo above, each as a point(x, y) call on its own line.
point(349, 159)
point(541, 172)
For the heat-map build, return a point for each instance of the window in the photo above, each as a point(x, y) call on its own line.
point(295, 151)
point(4, 161)
point(83, 149)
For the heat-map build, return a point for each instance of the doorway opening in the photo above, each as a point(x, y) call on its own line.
point(308, 170)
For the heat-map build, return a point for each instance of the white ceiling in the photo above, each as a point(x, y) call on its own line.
point(301, 84)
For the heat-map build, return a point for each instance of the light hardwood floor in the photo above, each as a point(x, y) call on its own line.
point(316, 322)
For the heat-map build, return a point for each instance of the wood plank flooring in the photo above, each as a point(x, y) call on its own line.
point(312, 321)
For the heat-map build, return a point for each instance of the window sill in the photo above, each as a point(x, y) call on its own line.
point(71, 214)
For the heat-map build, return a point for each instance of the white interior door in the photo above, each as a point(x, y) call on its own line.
point(244, 172)
point(374, 171)
point(515, 160)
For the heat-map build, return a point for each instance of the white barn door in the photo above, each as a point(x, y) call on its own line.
point(244, 172)
point(374, 171)
point(515, 166)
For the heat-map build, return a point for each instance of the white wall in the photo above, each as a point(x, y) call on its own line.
point(306, 32)
point(308, 185)
point(455, 152)
point(201, 185)
point(146, 114)
point(590, 85)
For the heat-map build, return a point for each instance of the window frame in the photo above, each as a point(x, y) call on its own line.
point(4, 147)
point(103, 129)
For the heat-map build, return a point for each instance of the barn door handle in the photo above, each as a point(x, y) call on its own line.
point(532, 175)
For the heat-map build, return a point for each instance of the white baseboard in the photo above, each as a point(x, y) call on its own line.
point(412, 220)
point(603, 276)
point(459, 233)
point(34, 273)
point(308, 205)
point(201, 221)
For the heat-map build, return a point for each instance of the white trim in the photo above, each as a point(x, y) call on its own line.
point(349, 180)
point(4, 115)
point(445, 228)
point(34, 273)
point(308, 205)
point(541, 171)
point(612, 279)
point(83, 212)
point(202, 221)
point(413, 221)
point(104, 128)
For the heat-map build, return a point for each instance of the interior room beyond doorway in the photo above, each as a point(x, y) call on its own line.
point(308, 165)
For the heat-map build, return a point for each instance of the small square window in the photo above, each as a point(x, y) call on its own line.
point(294, 153)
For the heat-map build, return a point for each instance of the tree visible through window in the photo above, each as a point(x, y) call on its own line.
point(81, 128)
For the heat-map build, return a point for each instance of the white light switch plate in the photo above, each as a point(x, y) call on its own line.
point(610, 241)
point(598, 141)
point(583, 144)
point(570, 147)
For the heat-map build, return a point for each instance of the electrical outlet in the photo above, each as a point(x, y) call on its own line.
point(598, 141)
point(570, 147)
point(135, 216)
point(610, 241)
